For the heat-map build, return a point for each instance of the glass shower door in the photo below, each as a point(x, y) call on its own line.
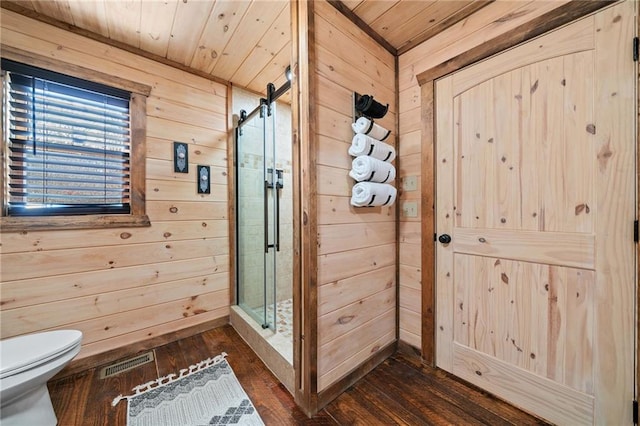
point(257, 218)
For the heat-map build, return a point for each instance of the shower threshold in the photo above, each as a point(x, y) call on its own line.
point(273, 348)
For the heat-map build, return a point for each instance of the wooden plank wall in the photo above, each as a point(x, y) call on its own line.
point(121, 286)
point(356, 246)
point(487, 23)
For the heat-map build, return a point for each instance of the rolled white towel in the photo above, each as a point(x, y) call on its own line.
point(365, 168)
point(369, 194)
point(368, 127)
point(362, 144)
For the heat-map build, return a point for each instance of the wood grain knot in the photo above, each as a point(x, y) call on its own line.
point(173, 209)
point(604, 155)
point(346, 319)
point(125, 235)
point(482, 240)
point(582, 208)
point(513, 342)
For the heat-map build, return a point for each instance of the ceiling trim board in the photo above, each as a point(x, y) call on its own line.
point(340, 7)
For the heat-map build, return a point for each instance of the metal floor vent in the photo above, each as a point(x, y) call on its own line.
point(126, 365)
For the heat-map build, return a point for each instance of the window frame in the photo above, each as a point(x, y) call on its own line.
point(138, 126)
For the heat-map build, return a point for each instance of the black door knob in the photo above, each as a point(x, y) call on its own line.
point(444, 238)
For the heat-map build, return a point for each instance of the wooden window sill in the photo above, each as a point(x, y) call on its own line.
point(52, 223)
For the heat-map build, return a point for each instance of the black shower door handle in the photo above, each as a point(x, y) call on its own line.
point(277, 195)
point(266, 216)
point(272, 183)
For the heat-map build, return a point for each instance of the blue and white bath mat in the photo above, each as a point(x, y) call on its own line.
point(207, 393)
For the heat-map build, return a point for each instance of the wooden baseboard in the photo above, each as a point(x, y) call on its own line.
point(113, 355)
point(409, 351)
point(333, 391)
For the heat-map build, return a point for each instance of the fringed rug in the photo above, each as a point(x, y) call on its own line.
point(207, 393)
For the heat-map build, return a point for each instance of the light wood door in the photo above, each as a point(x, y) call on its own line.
point(536, 187)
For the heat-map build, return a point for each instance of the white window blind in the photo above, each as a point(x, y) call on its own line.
point(68, 144)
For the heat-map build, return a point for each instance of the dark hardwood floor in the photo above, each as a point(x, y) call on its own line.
point(399, 391)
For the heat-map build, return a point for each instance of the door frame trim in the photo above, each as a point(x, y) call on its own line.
point(549, 21)
point(305, 267)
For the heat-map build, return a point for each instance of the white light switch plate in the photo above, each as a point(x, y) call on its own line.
point(410, 209)
point(410, 183)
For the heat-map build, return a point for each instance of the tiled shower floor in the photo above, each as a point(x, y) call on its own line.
point(284, 318)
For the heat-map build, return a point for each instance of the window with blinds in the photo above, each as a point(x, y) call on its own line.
point(68, 144)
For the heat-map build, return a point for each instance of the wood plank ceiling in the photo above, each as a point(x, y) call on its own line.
point(246, 42)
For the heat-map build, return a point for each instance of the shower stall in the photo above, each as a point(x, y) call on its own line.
point(264, 218)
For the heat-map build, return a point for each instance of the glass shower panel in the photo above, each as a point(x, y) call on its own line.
point(250, 219)
point(257, 216)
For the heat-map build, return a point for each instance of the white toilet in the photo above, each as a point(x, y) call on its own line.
point(26, 363)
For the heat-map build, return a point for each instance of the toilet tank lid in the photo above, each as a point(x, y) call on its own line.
point(30, 350)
